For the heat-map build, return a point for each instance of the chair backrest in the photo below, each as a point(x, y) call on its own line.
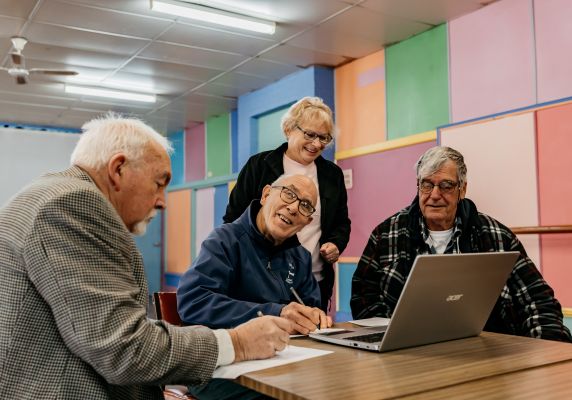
point(166, 307)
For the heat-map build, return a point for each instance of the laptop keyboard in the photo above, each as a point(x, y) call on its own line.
point(368, 338)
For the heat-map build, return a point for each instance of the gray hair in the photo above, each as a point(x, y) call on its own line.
point(309, 109)
point(434, 158)
point(104, 137)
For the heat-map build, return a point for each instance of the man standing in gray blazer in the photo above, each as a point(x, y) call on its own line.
point(74, 296)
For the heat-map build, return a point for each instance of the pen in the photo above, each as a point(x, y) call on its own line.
point(298, 298)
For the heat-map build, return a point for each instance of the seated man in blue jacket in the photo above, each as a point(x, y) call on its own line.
point(252, 265)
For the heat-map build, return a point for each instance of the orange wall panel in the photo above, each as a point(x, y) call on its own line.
point(360, 102)
point(178, 231)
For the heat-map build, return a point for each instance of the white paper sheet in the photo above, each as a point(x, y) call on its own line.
point(371, 322)
point(289, 355)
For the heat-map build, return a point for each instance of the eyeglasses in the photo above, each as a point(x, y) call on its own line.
point(445, 187)
point(311, 135)
point(289, 197)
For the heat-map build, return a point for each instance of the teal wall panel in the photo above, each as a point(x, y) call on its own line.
point(270, 133)
point(178, 158)
point(218, 146)
point(345, 274)
point(417, 84)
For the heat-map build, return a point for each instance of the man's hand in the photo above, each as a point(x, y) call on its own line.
point(305, 319)
point(330, 252)
point(260, 338)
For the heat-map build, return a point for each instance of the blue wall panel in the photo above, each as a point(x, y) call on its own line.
point(313, 81)
point(220, 200)
point(178, 158)
point(345, 274)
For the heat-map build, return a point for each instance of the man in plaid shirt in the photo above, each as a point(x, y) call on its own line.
point(441, 220)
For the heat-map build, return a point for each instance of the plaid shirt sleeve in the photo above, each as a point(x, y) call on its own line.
point(381, 272)
point(528, 305)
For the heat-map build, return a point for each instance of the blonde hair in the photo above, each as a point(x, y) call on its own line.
point(309, 109)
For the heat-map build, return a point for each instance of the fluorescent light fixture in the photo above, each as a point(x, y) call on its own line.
point(213, 15)
point(114, 94)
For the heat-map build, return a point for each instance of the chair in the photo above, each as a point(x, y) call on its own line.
point(166, 309)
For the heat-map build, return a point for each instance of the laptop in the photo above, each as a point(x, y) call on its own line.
point(445, 297)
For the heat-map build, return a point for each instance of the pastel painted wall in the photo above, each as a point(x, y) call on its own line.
point(492, 60)
point(195, 146)
point(218, 146)
point(178, 231)
point(417, 84)
point(270, 133)
point(360, 102)
point(554, 141)
point(383, 183)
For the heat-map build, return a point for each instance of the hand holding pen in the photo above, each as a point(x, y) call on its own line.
point(305, 319)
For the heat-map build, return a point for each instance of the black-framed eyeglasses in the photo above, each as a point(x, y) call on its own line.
point(288, 196)
point(445, 187)
point(311, 135)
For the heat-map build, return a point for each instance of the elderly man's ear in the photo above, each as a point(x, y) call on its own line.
point(265, 194)
point(114, 170)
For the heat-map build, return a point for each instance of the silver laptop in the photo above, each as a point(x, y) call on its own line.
point(445, 297)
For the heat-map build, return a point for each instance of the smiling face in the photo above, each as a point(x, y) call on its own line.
point(277, 220)
point(302, 150)
point(439, 209)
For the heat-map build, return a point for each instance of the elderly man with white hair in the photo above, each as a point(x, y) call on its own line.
point(441, 220)
point(73, 318)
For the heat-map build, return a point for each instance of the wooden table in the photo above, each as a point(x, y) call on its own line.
point(481, 366)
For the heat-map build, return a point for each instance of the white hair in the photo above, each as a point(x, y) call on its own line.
point(434, 158)
point(104, 137)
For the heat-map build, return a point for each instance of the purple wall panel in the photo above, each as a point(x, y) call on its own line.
point(195, 153)
point(553, 43)
point(492, 60)
point(383, 183)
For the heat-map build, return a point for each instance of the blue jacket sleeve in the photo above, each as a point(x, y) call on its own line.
point(202, 296)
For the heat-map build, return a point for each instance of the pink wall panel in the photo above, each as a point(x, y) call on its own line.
point(204, 217)
point(553, 43)
point(178, 231)
point(501, 178)
point(492, 60)
point(195, 153)
point(554, 132)
point(383, 183)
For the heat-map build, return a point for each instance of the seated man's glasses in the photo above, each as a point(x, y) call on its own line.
point(311, 136)
point(288, 196)
point(445, 187)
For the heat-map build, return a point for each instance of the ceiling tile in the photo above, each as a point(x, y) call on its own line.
point(41, 33)
point(242, 81)
point(10, 26)
point(193, 35)
point(434, 12)
point(170, 70)
point(155, 84)
point(17, 8)
point(267, 68)
point(303, 57)
point(81, 16)
point(191, 56)
point(72, 57)
point(358, 32)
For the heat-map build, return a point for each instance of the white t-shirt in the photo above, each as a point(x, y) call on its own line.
point(439, 240)
point(309, 236)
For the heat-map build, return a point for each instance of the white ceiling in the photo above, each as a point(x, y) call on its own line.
point(197, 70)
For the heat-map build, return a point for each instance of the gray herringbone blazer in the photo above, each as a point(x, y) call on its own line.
point(73, 299)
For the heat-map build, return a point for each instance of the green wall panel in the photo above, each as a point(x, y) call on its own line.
point(270, 134)
point(417, 84)
point(218, 146)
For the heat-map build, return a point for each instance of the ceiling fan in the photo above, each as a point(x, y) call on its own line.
point(18, 69)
